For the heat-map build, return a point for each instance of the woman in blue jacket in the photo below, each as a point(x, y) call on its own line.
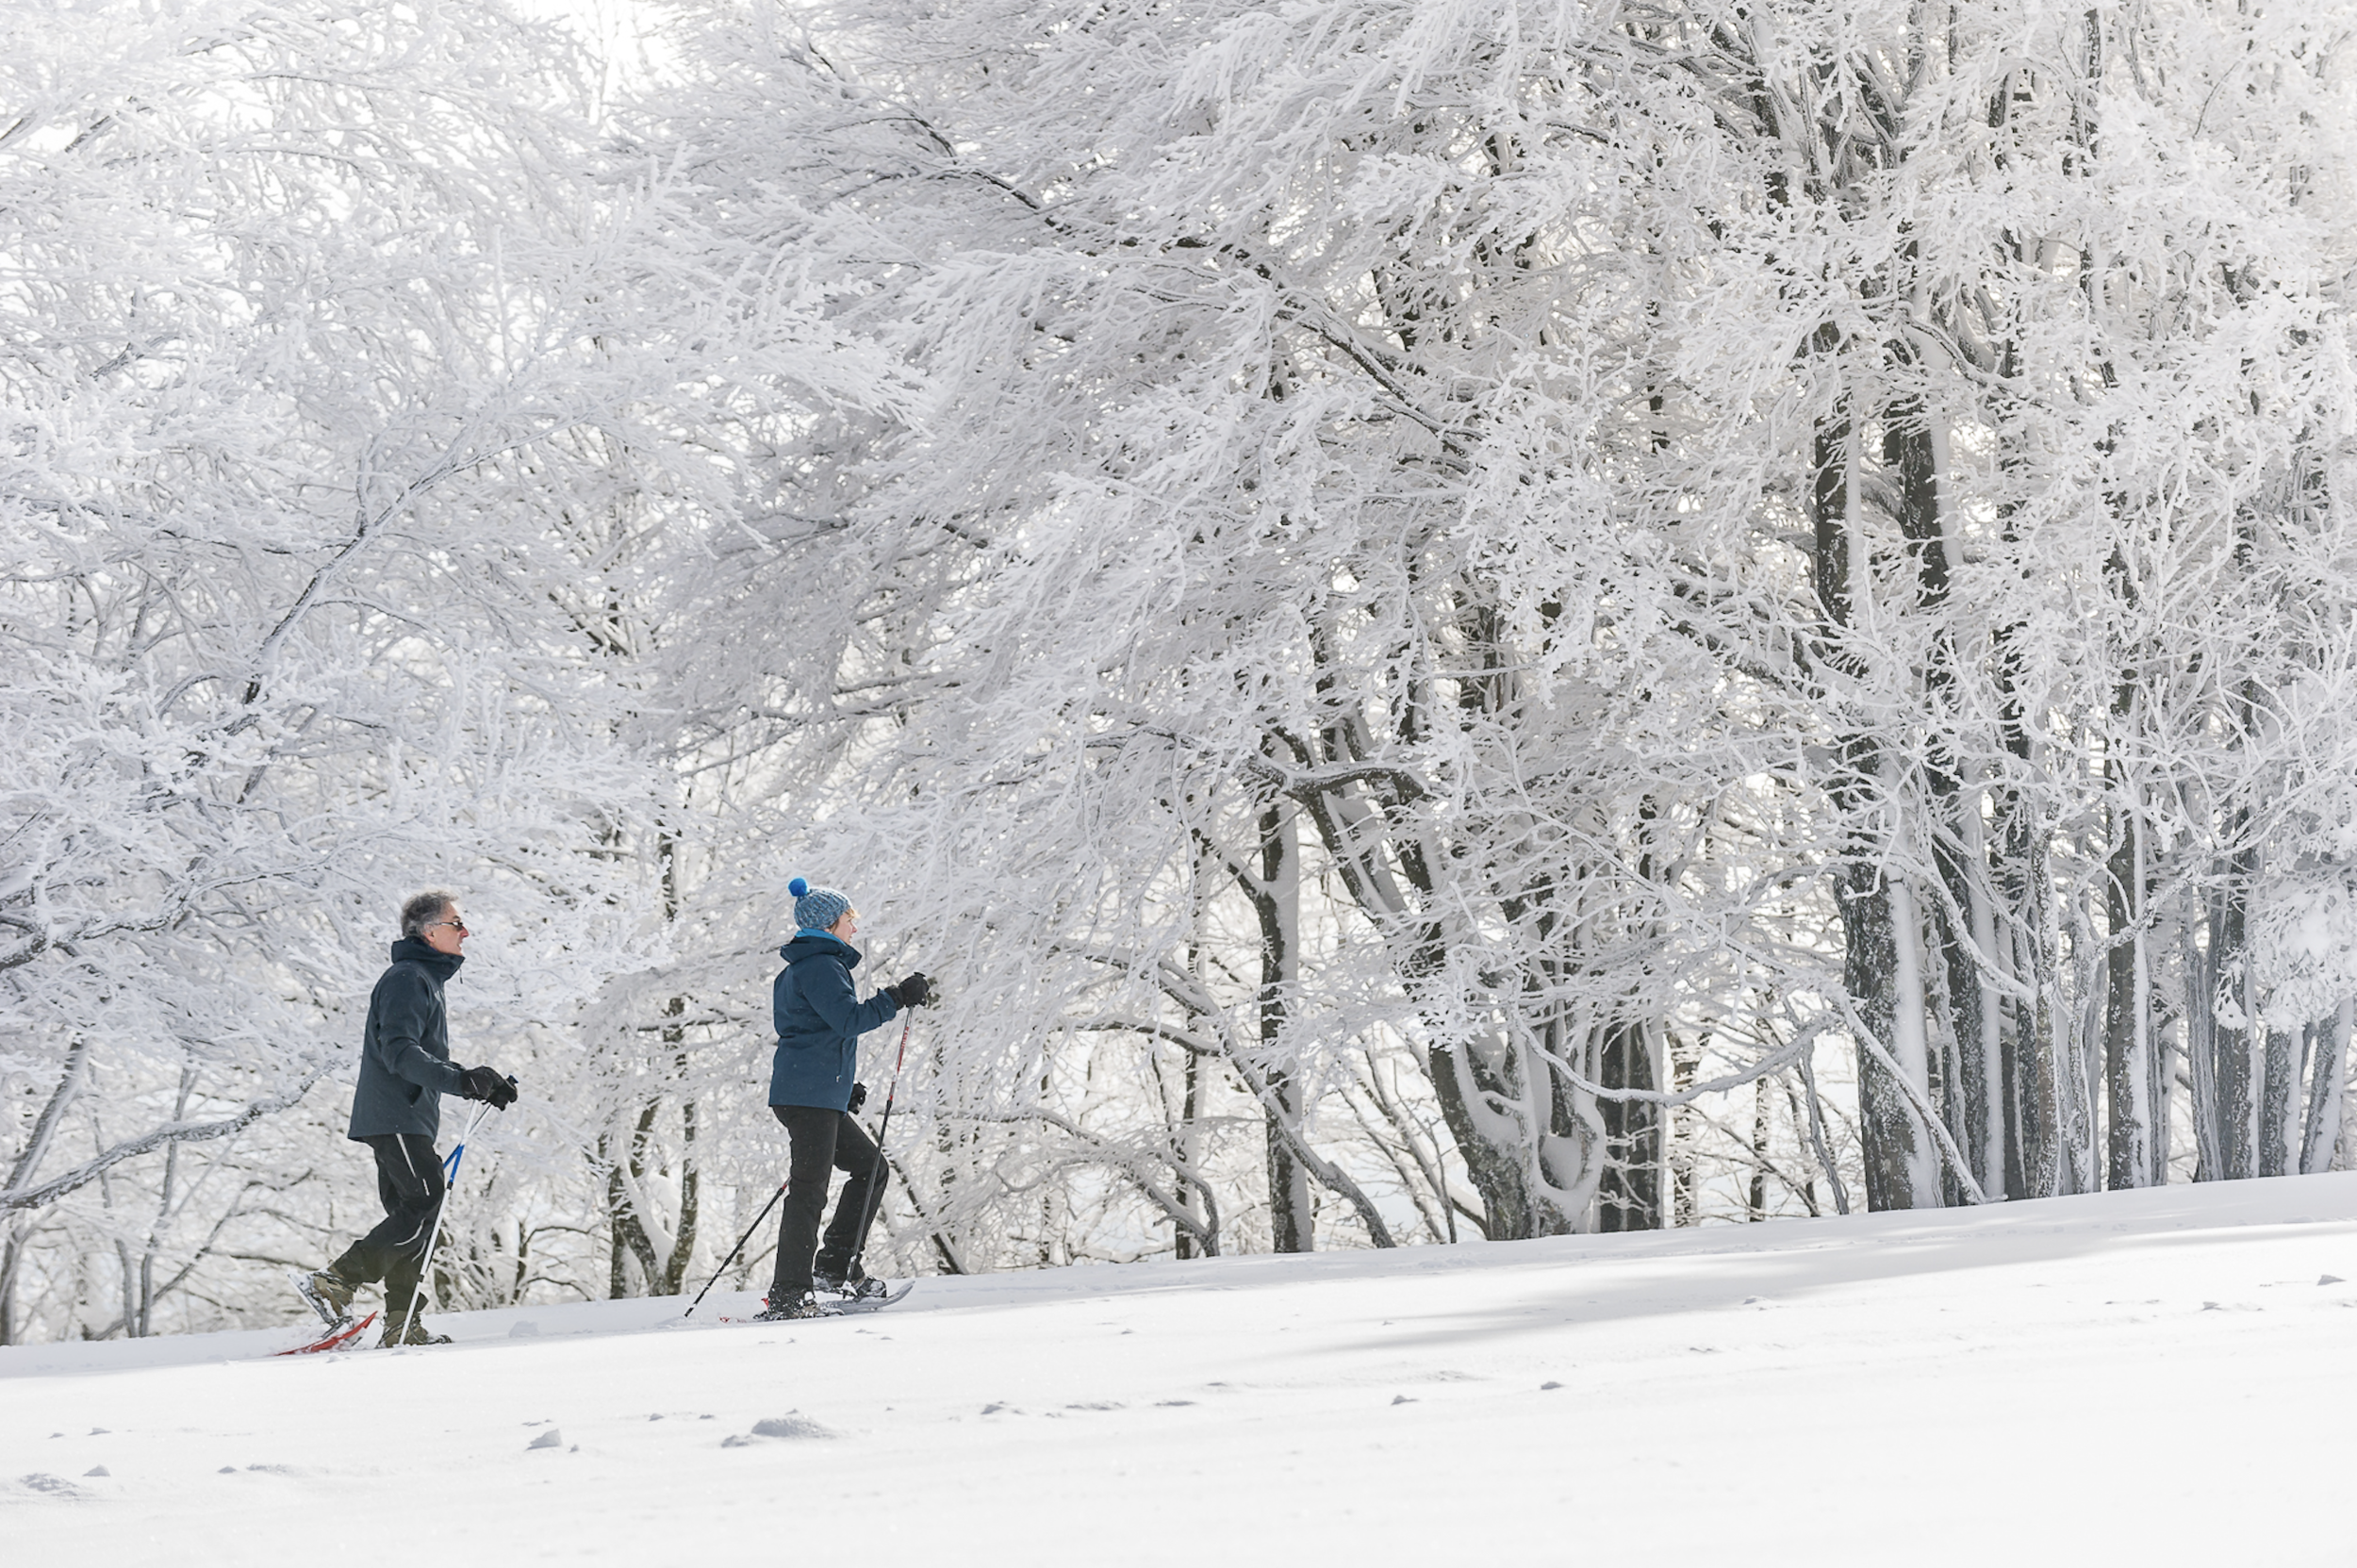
point(813, 1091)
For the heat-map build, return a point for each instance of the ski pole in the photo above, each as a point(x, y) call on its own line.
point(734, 1251)
point(876, 1183)
point(449, 1180)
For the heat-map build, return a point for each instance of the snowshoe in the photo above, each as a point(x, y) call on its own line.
point(326, 1293)
point(790, 1307)
point(879, 1300)
point(335, 1339)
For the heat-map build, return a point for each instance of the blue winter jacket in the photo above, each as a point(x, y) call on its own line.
point(820, 1019)
point(405, 1050)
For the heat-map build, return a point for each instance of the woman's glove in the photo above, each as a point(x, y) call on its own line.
point(915, 991)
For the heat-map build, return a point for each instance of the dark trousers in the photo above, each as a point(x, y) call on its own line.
point(819, 1142)
point(410, 1181)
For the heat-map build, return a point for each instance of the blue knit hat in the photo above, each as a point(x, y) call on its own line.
point(817, 908)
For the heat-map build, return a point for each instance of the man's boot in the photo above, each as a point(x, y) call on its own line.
point(326, 1293)
point(407, 1326)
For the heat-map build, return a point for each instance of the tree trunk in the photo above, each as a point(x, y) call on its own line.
point(1685, 1060)
point(1491, 1142)
point(690, 1184)
point(1977, 1096)
point(2138, 1155)
point(2328, 1083)
point(2278, 1102)
point(1183, 1149)
point(1756, 1209)
point(2239, 1048)
point(11, 1259)
point(1628, 1197)
point(629, 1234)
point(1277, 900)
point(2208, 1108)
point(1881, 965)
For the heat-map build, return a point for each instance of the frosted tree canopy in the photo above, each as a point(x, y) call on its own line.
point(1439, 621)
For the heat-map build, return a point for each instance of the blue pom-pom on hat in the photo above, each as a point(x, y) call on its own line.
point(817, 908)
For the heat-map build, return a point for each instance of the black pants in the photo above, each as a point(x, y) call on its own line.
point(819, 1142)
point(410, 1181)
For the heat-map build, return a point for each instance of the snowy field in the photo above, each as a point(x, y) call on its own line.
point(1955, 1386)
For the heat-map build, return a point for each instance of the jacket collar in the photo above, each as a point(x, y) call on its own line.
point(811, 944)
point(441, 964)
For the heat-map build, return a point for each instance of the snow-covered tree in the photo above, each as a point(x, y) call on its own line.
point(1617, 527)
point(1530, 617)
point(302, 318)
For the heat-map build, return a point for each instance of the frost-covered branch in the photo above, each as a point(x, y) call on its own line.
point(91, 1170)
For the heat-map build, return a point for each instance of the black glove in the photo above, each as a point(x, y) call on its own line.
point(915, 991)
point(488, 1083)
point(859, 1097)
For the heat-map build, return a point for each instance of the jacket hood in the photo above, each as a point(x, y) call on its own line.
point(815, 944)
point(411, 951)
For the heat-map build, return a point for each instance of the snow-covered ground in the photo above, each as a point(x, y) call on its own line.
point(2151, 1377)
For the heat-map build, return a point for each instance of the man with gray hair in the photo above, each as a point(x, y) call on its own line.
point(405, 1070)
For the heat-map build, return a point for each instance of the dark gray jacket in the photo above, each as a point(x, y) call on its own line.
point(404, 1054)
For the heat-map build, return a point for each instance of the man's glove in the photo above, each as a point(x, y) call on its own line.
point(915, 991)
point(488, 1083)
point(859, 1097)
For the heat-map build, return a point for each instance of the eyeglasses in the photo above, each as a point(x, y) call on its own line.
point(458, 926)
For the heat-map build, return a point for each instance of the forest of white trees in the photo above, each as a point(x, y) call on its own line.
point(1441, 619)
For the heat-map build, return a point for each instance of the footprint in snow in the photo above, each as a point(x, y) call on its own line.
point(550, 1439)
point(48, 1485)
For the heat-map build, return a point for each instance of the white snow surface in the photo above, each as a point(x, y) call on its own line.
point(2157, 1377)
